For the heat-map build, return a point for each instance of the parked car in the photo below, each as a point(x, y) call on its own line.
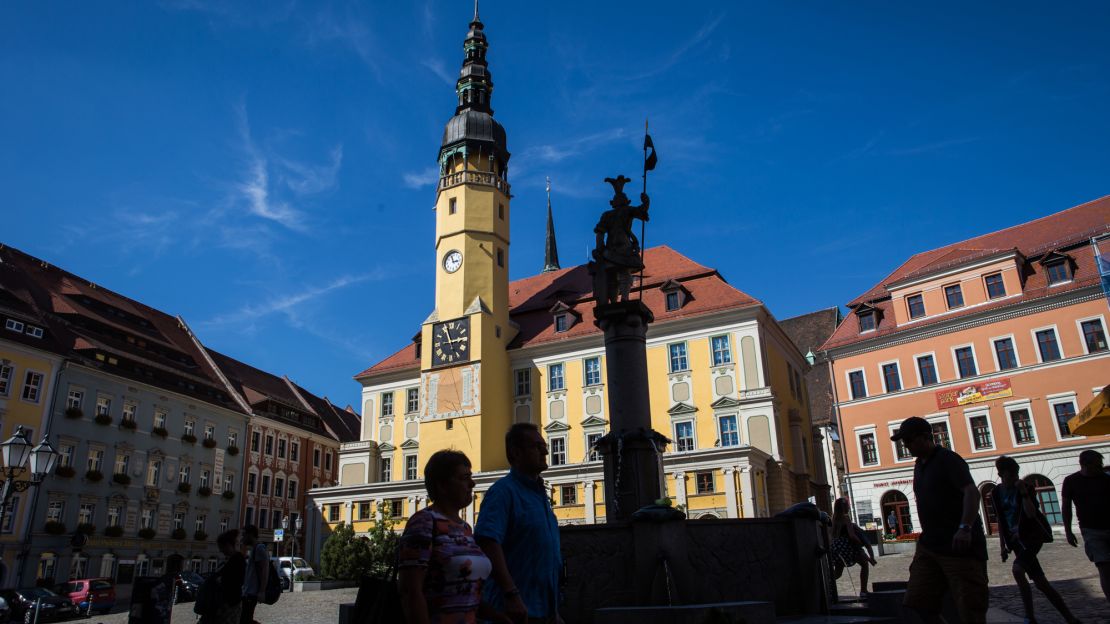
point(187, 585)
point(293, 568)
point(90, 595)
point(51, 605)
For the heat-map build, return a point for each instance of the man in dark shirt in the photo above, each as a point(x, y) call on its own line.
point(1089, 489)
point(952, 550)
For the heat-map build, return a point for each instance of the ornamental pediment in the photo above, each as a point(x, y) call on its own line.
point(594, 421)
point(724, 403)
point(556, 427)
point(410, 444)
point(682, 408)
point(386, 447)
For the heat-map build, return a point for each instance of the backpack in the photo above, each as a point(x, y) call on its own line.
point(208, 596)
point(273, 581)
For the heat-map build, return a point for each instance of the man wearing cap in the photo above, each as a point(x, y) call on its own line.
point(952, 550)
point(1089, 489)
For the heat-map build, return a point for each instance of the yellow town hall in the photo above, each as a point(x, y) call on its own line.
point(726, 382)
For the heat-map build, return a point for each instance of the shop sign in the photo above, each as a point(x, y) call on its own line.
point(974, 393)
point(892, 483)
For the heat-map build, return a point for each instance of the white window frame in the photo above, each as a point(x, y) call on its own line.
point(551, 451)
point(416, 466)
point(713, 351)
point(586, 441)
point(671, 358)
point(409, 403)
point(75, 397)
point(994, 352)
point(1058, 399)
point(848, 383)
point(13, 325)
point(720, 431)
point(944, 418)
point(526, 373)
point(1013, 406)
point(586, 368)
point(38, 388)
point(973, 412)
point(882, 376)
point(917, 368)
point(1082, 339)
point(561, 366)
point(1037, 344)
point(956, 361)
point(10, 370)
point(859, 432)
point(892, 428)
point(693, 431)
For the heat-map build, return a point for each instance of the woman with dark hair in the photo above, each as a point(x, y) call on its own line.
point(220, 597)
point(440, 567)
point(1023, 530)
point(848, 544)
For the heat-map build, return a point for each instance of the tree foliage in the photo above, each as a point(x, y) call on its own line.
point(346, 556)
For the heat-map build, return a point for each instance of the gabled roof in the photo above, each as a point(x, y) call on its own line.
point(809, 331)
point(1066, 231)
point(531, 300)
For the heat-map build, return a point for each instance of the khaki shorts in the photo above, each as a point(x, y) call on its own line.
point(1096, 542)
point(931, 575)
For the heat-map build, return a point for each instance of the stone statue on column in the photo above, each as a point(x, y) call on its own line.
point(617, 254)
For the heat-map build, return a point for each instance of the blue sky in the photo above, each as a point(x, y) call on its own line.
point(265, 169)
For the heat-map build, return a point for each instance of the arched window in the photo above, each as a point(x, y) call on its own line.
point(108, 566)
point(1045, 492)
point(894, 501)
point(986, 492)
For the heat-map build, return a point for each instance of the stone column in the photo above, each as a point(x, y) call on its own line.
point(680, 488)
point(588, 499)
point(348, 512)
point(747, 492)
point(730, 492)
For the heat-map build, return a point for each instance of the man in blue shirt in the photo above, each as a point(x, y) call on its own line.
point(517, 530)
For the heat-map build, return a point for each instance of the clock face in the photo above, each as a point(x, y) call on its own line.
point(452, 261)
point(451, 342)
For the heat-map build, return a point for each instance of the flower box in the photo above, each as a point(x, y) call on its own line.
point(87, 528)
point(208, 443)
point(121, 478)
point(178, 534)
point(204, 491)
point(189, 438)
point(184, 488)
point(103, 419)
point(200, 536)
point(54, 527)
point(228, 494)
point(233, 450)
point(160, 431)
point(66, 472)
point(74, 412)
point(113, 531)
point(94, 476)
point(147, 533)
point(128, 424)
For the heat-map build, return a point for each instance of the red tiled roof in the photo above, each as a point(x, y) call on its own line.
point(531, 299)
point(1069, 229)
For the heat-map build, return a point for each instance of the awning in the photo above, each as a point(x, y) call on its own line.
point(1094, 419)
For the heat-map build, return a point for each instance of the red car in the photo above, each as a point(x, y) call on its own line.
point(89, 595)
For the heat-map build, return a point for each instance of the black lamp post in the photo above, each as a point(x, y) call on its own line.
point(284, 530)
point(296, 532)
point(17, 451)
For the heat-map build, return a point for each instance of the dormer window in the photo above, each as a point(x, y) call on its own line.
point(560, 323)
point(675, 295)
point(996, 288)
point(954, 296)
point(1058, 271)
point(672, 301)
point(563, 317)
point(915, 304)
point(867, 321)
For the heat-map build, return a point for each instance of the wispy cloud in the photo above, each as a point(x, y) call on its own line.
point(262, 13)
point(931, 147)
point(288, 304)
point(438, 68)
point(421, 179)
point(307, 179)
point(685, 47)
point(349, 30)
point(548, 153)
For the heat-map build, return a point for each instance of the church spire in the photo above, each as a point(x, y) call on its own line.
point(550, 252)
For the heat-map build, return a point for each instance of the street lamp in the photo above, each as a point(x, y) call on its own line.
point(14, 453)
point(284, 528)
point(296, 532)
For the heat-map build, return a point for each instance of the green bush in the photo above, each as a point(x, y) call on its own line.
point(347, 557)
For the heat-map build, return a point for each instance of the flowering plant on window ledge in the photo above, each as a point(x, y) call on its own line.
point(87, 528)
point(160, 431)
point(233, 450)
point(128, 424)
point(113, 531)
point(121, 478)
point(54, 527)
point(204, 491)
point(74, 412)
point(147, 533)
point(184, 488)
point(103, 419)
point(178, 533)
point(228, 494)
point(94, 476)
point(200, 536)
point(189, 438)
point(208, 443)
point(66, 472)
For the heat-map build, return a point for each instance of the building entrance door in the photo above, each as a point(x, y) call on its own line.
point(896, 502)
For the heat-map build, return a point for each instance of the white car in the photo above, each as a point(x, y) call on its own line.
point(293, 568)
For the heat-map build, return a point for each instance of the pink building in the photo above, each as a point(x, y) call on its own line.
point(997, 341)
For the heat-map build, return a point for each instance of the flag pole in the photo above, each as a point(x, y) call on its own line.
point(643, 222)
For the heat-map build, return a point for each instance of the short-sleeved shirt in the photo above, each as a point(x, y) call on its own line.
point(250, 579)
point(516, 513)
point(456, 567)
point(938, 484)
point(1091, 496)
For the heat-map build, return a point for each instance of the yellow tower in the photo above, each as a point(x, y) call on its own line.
point(464, 360)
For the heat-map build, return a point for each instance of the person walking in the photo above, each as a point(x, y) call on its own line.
point(892, 523)
point(951, 552)
point(1023, 530)
point(257, 574)
point(441, 570)
point(848, 544)
point(1089, 490)
point(517, 530)
point(227, 582)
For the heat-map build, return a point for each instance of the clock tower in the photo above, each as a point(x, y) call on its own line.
point(464, 360)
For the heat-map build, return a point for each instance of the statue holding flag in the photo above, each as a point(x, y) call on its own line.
point(618, 253)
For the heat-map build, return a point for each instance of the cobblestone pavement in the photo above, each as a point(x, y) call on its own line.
point(1067, 568)
point(320, 607)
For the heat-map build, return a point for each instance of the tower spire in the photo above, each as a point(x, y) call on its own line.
point(476, 11)
point(550, 252)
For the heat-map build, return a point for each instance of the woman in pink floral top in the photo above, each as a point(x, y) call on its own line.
point(440, 568)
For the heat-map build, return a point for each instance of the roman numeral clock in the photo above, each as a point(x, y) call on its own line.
point(451, 342)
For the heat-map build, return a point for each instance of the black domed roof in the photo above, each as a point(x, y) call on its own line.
point(472, 125)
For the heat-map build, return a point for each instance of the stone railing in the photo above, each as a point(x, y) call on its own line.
point(483, 178)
